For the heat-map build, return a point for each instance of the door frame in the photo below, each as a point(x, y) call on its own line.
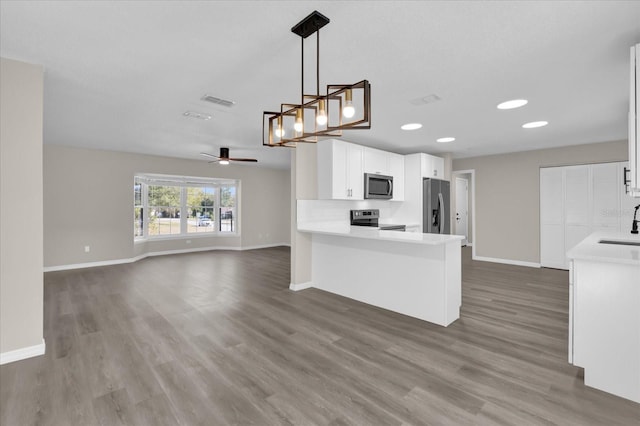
point(472, 188)
point(459, 179)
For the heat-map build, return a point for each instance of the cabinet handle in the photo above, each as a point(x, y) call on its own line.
point(626, 181)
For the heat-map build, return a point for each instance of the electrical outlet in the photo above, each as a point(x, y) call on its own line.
point(87, 249)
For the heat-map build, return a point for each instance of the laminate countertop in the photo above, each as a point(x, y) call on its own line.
point(591, 249)
point(362, 232)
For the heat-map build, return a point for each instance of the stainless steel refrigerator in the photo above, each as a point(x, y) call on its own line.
point(435, 211)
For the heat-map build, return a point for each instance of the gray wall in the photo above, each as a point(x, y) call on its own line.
point(508, 195)
point(304, 186)
point(88, 200)
point(21, 296)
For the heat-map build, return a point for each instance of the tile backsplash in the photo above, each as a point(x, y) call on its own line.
point(338, 210)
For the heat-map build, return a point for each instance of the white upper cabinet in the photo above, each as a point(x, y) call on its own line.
point(377, 161)
point(340, 170)
point(396, 169)
point(633, 177)
point(432, 166)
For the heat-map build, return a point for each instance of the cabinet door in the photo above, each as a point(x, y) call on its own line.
point(396, 164)
point(627, 203)
point(432, 166)
point(376, 161)
point(355, 172)
point(551, 217)
point(332, 170)
point(438, 167)
point(606, 191)
point(634, 123)
point(340, 164)
point(576, 207)
point(577, 195)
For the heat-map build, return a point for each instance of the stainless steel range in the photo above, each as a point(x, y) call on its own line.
point(371, 218)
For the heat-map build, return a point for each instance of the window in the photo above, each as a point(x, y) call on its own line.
point(137, 209)
point(201, 207)
point(166, 206)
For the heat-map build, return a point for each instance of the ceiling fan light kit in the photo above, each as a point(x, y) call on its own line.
point(224, 158)
point(342, 107)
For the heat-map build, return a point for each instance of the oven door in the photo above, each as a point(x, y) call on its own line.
point(378, 186)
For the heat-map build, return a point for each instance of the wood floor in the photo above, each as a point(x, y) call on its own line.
point(217, 338)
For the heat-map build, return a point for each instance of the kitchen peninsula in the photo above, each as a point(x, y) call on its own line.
point(414, 274)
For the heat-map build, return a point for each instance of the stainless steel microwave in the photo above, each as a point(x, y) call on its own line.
point(378, 186)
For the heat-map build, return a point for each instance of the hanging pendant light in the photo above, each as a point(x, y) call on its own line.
point(348, 110)
point(321, 118)
point(351, 103)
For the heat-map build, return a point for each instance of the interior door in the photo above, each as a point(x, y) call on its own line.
point(461, 225)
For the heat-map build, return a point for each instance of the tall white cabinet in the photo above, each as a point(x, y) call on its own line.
point(633, 177)
point(576, 201)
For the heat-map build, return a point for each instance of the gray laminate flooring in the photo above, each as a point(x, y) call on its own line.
point(217, 338)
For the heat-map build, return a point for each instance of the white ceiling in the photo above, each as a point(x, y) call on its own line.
point(119, 75)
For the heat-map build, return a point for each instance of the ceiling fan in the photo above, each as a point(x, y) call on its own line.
point(224, 158)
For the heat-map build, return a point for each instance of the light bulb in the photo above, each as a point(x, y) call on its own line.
point(298, 126)
point(321, 119)
point(279, 132)
point(348, 110)
point(224, 162)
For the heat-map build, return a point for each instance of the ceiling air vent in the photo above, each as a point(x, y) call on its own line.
point(218, 101)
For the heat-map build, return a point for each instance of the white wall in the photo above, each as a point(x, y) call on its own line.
point(88, 200)
point(507, 211)
point(21, 288)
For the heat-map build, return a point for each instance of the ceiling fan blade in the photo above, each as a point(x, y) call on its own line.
point(204, 154)
point(253, 160)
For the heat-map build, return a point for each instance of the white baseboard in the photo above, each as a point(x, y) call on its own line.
point(300, 286)
point(23, 353)
point(507, 261)
point(155, 253)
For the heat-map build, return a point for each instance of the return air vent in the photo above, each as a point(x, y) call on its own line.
point(218, 101)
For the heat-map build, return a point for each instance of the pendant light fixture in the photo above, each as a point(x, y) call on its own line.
point(341, 107)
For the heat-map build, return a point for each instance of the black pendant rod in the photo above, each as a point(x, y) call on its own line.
point(318, 63)
point(302, 73)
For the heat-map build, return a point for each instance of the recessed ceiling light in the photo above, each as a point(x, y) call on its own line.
point(198, 115)
point(445, 140)
point(535, 124)
point(516, 103)
point(411, 126)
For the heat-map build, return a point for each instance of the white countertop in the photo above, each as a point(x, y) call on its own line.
point(342, 230)
point(591, 249)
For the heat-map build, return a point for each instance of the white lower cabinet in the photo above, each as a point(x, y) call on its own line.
point(604, 325)
point(340, 170)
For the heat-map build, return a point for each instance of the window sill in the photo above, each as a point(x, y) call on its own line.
point(140, 240)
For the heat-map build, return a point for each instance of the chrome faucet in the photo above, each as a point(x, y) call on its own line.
point(634, 225)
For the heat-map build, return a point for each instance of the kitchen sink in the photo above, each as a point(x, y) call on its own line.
point(620, 243)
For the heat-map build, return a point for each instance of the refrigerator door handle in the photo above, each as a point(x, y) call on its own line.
point(441, 208)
